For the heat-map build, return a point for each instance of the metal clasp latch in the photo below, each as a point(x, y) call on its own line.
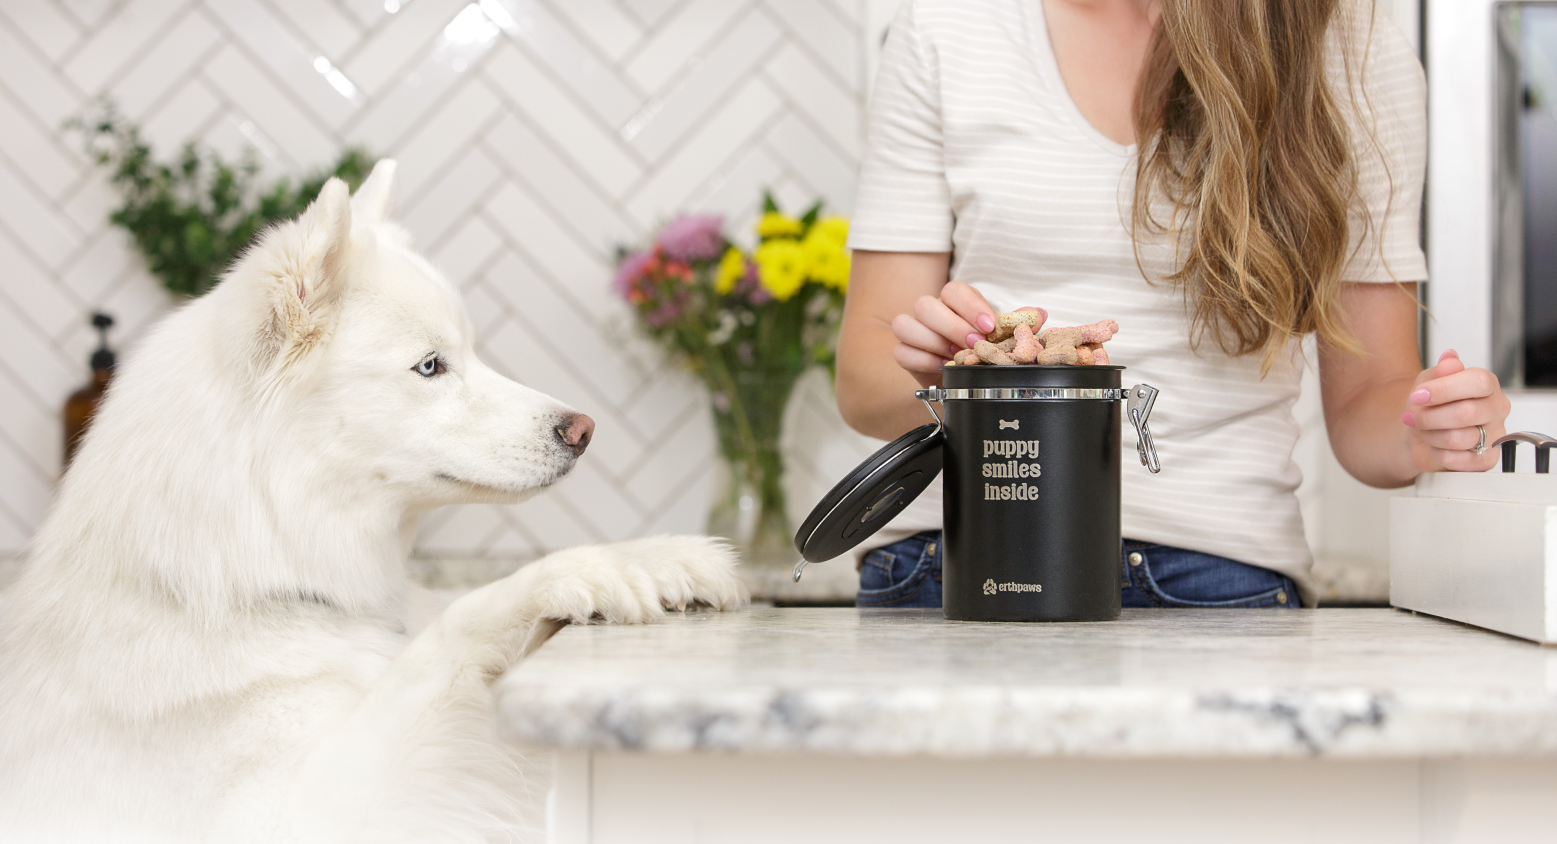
point(930, 395)
point(1142, 397)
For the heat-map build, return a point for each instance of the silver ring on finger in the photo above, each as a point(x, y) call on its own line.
point(1481, 444)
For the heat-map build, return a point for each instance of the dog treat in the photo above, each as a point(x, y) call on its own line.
point(1026, 347)
point(1058, 354)
point(1060, 345)
point(1016, 340)
point(1098, 332)
point(1005, 324)
point(990, 353)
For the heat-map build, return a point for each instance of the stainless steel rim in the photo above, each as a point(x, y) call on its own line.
point(1031, 394)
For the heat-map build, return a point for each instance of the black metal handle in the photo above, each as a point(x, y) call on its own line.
point(1510, 445)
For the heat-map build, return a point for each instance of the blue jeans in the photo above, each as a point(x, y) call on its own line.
point(908, 574)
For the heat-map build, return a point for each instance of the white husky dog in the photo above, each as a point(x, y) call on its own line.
point(209, 641)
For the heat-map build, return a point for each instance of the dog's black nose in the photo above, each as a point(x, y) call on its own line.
point(574, 432)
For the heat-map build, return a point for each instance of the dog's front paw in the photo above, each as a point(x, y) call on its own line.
point(626, 583)
point(686, 570)
point(632, 582)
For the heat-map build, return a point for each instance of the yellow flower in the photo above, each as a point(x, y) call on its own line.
point(834, 229)
point(774, 224)
point(731, 267)
point(781, 265)
point(826, 258)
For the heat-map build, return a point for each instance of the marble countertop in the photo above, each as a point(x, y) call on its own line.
point(1157, 683)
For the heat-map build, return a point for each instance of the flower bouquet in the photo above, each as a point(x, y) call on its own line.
point(748, 325)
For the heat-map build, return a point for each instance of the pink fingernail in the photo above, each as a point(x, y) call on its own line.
point(972, 339)
point(1421, 396)
point(986, 323)
point(1408, 418)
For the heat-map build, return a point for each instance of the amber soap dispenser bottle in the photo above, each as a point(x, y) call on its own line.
point(83, 402)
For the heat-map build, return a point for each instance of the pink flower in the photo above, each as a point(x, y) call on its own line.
point(629, 271)
point(693, 237)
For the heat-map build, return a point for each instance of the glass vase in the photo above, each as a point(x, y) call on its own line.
point(748, 407)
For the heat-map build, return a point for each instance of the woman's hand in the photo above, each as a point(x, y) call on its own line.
point(1447, 402)
point(875, 395)
point(939, 327)
point(1365, 393)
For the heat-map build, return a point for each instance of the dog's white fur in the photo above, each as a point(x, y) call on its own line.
point(208, 642)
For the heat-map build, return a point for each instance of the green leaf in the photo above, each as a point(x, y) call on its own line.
point(810, 216)
point(191, 218)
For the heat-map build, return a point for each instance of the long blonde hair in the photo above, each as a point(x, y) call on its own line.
point(1242, 134)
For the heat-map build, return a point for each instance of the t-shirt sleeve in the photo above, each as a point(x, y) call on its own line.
point(904, 201)
point(1388, 105)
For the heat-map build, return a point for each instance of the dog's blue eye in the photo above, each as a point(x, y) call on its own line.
point(428, 368)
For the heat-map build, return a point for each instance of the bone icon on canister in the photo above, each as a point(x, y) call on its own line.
point(1015, 424)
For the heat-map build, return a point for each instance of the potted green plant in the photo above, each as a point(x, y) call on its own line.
point(190, 218)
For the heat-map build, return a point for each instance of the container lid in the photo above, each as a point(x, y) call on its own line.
point(868, 498)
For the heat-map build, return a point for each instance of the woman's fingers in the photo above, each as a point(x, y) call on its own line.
point(1456, 386)
point(1450, 450)
point(941, 319)
point(1463, 460)
point(1454, 439)
point(1446, 407)
point(916, 360)
point(970, 306)
point(915, 333)
point(1466, 413)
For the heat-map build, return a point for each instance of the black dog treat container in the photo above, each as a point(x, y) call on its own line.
point(1031, 504)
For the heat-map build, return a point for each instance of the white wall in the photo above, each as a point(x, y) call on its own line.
point(579, 127)
point(533, 136)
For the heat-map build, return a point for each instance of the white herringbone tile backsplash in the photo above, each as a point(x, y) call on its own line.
point(533, 136)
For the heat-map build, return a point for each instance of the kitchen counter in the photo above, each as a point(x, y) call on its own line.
point(1207, 683)
point(1329, 705)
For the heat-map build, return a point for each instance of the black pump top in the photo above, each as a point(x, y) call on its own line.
point(103, 358)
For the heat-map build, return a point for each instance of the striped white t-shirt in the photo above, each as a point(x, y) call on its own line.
point(975, 147)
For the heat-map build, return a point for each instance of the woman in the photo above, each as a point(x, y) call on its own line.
point(1222, 177)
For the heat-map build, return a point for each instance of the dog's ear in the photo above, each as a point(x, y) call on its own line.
point(305, 269)
point(375, 199)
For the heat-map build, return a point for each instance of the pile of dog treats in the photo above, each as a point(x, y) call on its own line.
point(1014, 342)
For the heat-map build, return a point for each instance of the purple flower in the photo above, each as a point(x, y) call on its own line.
point(693, 237)
point(751, 287)
point(664, 315)
point(669, 311)
point(629, 270)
